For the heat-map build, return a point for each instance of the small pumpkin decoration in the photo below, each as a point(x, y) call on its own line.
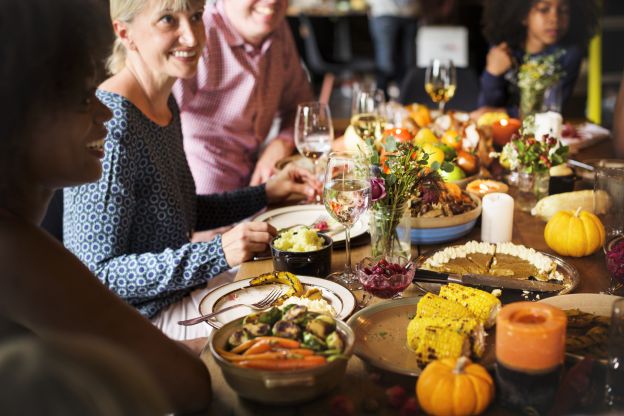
point(454, 387)
point(574, 233)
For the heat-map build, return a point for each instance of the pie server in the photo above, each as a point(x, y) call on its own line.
point(429, 276)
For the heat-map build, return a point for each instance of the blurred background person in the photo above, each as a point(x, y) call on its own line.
point(51, 133)
point(249, 73)
point(517, 28)
point(132, 228)
point(393, 26)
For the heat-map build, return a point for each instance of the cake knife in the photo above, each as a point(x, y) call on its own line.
point(430, 276)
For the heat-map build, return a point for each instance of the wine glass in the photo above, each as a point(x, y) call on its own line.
point(440, 82)
point(314, 131)
point(346, 194)
point(367, 99)
point(368, 126)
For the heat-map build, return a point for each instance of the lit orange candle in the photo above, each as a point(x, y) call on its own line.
point(503, 129)
point(530, 336)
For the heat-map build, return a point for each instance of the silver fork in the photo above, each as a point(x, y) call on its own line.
point(268, 300)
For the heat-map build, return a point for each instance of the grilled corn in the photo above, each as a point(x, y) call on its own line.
point(434, 306)
point(483, 305)
point(467, 326)
point(431, 342)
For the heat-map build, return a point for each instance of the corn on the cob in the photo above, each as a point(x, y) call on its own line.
point(467, 326)
point(431, 342)
point(432, 305)
point(483, 305)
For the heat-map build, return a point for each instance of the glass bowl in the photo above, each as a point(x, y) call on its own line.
point(615, 265)
point(385, 277)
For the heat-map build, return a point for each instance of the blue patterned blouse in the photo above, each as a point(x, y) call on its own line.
point(132, 227)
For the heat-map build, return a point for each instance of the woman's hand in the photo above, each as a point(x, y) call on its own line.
point(241, 242)
point(292, 180)
point(499, 60)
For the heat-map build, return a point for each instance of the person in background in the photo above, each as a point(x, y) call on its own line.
point(618, 123)
point(393, 27)
point(249, 73)
point(50, 129)
point(537, 27)
point(133, 227)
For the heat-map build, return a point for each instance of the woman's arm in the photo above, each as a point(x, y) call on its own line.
point(49, 291)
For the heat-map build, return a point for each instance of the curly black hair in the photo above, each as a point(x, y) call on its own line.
point(49, 50)
point(502, 22)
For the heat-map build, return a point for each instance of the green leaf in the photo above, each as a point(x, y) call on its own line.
point(435, 165)
point(447, 167)
point(390, 144)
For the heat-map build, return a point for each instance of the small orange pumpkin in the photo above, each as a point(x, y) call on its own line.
point(454, 387)
point(575, 234)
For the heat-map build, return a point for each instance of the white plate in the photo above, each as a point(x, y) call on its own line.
point(339, 297)
point(598, 304)
point(307, 215)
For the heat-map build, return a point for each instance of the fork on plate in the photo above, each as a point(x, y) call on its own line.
point(264, 303)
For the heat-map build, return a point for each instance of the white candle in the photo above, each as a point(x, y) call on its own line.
point(497, 218)
point(550, 123)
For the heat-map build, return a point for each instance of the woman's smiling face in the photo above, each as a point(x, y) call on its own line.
point(168, 42)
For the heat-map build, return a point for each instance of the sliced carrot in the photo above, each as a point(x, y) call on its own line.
point(260, 346)
point(281, 365)
point(281, 342)
point(315, 359)
point(301, 351)
point(244, 346)
point(263, 356)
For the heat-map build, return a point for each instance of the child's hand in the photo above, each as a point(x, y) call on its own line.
point(499, 60)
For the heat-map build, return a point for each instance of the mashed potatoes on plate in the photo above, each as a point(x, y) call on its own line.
point(299, 239)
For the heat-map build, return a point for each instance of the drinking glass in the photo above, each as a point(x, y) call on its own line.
point(441, 81)
point(367, 98)
point(314, 131)
point(614, 391)
point(609, 206)
point(346, 194)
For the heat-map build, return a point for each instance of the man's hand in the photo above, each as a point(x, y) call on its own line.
point(292, 180)
point(499, 60)
point(241, 242)
point(265, 167)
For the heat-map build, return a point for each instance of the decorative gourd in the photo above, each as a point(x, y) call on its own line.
point(454, 387)
point(574, 233)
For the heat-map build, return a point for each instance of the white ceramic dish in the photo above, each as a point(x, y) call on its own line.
point(306, 215)
point(339, 297)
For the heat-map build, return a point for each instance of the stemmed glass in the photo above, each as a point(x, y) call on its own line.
point(314, 131)
point(347, 194)
point(367, 98)
point(441, 81)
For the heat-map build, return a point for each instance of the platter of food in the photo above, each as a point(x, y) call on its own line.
point(506, 260)
point(314, 216)
point(588, 323)
point(580, 136)
point(444, 216)
point(402, 336)
point(333, 298)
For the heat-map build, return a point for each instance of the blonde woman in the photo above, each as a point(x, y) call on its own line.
point(132, 227)
point(48, 139)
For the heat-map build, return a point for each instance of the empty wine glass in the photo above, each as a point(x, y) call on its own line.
point(346, 194)
point(314, 131)
point(441, 81)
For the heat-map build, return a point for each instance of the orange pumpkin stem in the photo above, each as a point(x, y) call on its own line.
point(460, 365)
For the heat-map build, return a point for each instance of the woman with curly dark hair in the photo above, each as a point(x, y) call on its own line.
point(519, 28)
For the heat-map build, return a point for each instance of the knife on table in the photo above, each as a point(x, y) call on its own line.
point(430, 276)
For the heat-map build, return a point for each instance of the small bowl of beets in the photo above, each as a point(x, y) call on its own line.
point(385, 277)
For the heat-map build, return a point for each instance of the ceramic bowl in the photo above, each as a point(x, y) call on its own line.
point(309, 263)
point(281, 388)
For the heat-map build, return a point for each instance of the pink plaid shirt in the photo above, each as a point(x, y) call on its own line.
point(228, 108)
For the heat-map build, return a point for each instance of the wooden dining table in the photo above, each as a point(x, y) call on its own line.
point(363, 384)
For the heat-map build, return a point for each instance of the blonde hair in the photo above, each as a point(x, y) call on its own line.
point(125, 11)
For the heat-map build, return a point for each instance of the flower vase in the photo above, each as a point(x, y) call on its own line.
point(531, 188)
point(531, 101)
point(390, 229)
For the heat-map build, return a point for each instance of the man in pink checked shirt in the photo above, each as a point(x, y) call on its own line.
point(248, 74)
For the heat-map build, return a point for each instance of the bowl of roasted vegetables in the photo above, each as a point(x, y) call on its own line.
point(283, 355)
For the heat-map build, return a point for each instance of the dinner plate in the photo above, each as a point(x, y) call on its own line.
point(381, 336)
point(571, 280)
point(307, 215)
point(339, 297)
point(594, 303)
